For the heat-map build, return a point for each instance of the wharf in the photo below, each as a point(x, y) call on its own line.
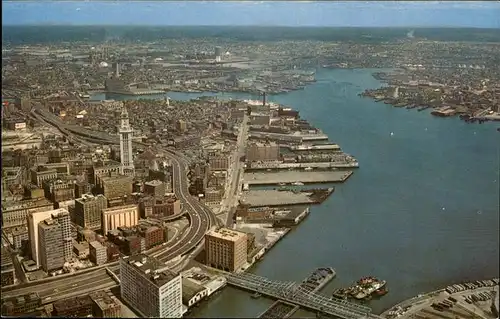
point(324, 165)
point(289, 177)
point(270, 198)
point(313, 283)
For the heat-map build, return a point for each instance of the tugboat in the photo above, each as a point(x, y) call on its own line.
point(381, 292)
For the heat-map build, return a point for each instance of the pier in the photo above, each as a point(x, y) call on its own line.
point(289, 177)
point(296, 294)
point(315, 282)
point(285, 197)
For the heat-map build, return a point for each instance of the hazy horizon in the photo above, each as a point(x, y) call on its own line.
point(312, 14)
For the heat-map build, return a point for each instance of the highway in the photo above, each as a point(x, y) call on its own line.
point(201, 220)
point(230, 201)
point(56, 289)
point(201, 217)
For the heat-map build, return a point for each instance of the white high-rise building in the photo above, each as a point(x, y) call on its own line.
point(126, 155)
point(149, 287)
point(62, 215)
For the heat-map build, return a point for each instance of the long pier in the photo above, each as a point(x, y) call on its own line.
point(314, 283)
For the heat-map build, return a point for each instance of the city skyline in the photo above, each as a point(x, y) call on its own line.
point(251, 13)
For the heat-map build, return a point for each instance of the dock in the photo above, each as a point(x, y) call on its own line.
point(314, 283)
point(289, 177)
point(285, 197)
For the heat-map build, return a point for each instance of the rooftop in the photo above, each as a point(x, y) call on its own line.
point(104, 300)
point(32, 296)
point(151, 269)
point(154, 183)
point(89, 197)
point(72, 303)
point(29, 203)
point(227, 234)
point(118, 208)
point(189, 290)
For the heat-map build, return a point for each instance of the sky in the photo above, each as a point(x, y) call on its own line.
point(476, 14)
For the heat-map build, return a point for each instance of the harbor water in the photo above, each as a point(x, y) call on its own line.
point(421, 212)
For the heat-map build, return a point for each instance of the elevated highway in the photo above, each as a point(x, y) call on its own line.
point(201, 220)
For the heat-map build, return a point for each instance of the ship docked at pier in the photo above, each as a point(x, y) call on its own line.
point(363, 289)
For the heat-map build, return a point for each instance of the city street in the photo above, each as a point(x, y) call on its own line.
point(230, 200)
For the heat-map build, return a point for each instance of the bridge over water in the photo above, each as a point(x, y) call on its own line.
point(292, 293)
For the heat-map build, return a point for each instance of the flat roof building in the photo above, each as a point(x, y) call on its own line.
point(150, 287)
point(226, 249)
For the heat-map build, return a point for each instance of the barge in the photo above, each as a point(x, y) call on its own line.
point(363, 289)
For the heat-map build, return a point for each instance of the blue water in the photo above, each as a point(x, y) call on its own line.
point(421, 212)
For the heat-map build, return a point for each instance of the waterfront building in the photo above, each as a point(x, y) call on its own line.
point(257, 151)
point(88, 211)
point(126, 155)
point(119, 216)
point(150, 287)
point(226, 249)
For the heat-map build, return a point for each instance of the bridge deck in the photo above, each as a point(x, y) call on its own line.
point(292, 293)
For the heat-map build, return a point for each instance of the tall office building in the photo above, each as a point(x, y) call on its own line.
point(50, 238)
point(88, 210)
point(34, 218)
point(149, 287)
point(126, 155)
point(64, 219)
point(226, 249)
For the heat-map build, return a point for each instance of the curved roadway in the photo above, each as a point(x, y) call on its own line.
point(200, 216)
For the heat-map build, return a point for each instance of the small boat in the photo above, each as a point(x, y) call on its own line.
point(298, 184)
point(381, 292)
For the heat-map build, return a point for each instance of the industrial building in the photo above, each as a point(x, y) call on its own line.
point(150, 288)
